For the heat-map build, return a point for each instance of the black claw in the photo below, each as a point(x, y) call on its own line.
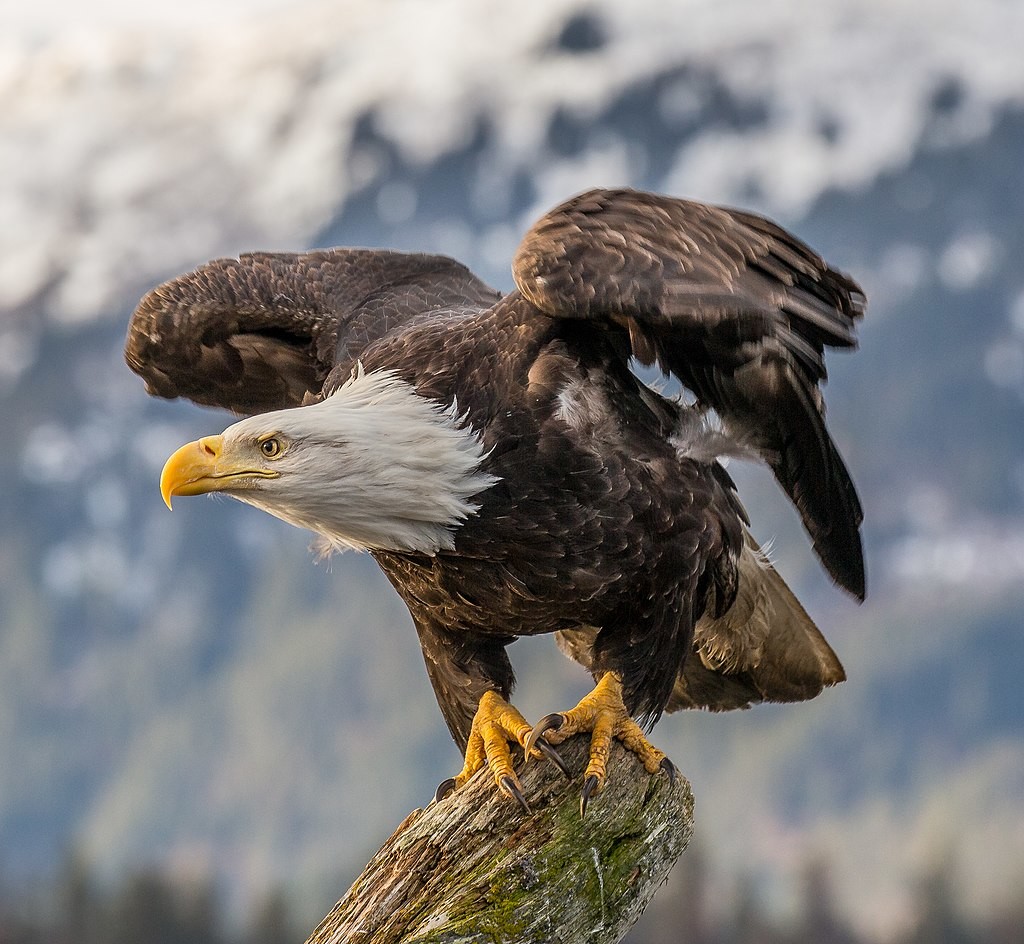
point(443, 789)
point(550, 722)
point(512, 789)
point(552, 755)
point(669, 768)
point(589, 788)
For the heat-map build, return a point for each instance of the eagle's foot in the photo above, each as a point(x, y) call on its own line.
point(604, 715)
point(495, 724)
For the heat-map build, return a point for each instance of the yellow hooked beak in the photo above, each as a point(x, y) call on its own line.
point(205, 466)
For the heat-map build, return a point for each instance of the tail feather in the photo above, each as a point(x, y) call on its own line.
point(764, 648)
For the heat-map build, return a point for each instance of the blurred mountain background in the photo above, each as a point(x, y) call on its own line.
point(192, 695)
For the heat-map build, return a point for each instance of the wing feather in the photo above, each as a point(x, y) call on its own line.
point(733, 305)
point(264, 331)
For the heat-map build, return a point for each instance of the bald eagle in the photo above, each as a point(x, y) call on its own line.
point(513, 476)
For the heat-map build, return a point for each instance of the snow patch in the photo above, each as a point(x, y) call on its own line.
point(985, 556)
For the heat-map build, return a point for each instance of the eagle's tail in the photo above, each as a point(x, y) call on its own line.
point(764, 648)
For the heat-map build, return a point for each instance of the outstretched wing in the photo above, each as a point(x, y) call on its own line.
point(735, 307)
point(263, 331)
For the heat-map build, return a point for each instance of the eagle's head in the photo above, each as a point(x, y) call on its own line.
point(374, 466)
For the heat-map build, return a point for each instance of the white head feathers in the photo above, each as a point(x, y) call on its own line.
point(374, 466)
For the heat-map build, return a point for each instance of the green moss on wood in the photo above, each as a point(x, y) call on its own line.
point(476, 870)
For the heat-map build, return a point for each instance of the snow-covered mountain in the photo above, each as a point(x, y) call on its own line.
point(191, 690)
point(128, 154)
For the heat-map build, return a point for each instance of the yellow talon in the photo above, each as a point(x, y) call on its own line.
point(495, 723)
point(602, 713)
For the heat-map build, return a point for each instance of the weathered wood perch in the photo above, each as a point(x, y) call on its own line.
point(475, 868)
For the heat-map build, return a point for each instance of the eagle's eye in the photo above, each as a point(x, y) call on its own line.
point(271, 448)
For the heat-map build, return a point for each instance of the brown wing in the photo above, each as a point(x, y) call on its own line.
point(733, 305)
point(263, 331)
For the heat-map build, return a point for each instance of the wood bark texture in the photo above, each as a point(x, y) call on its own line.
point(476, 868)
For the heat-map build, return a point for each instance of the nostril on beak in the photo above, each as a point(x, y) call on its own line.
point(210, 445)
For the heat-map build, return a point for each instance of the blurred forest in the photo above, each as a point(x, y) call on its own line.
point(153, 907)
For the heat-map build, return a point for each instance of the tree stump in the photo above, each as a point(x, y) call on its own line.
point(476, 868)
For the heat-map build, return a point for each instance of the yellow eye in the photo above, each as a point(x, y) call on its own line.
point(271, 448)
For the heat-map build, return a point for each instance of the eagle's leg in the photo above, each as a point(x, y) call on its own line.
point(602, 713)
point(495, 724)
